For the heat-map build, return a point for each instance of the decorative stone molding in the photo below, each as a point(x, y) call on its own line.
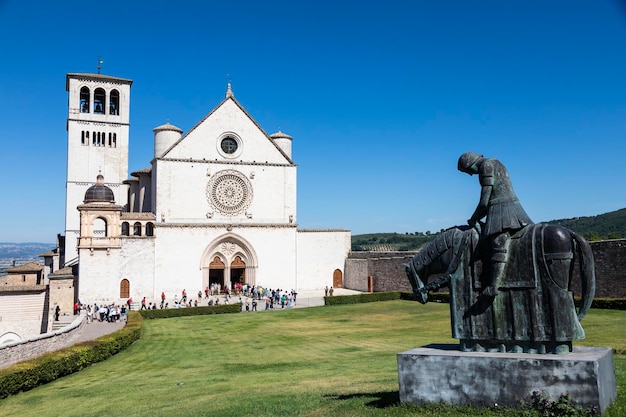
point(241, 226)
point(217, 162)
point(228, 248)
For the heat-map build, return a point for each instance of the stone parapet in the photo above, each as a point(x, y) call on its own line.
point(442, 373)
point(12, 353)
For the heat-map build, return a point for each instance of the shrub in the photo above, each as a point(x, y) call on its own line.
point(191, 311)
point(27, 375)
point(563, 407)
point(362, 298)
point(609, 303)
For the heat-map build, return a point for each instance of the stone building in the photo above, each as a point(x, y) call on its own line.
point(23, 302)
point(216, 205)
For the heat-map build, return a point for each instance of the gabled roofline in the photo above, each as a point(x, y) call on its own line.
point(229, 97)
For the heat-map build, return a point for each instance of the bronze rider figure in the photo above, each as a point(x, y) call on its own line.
point(503, 211)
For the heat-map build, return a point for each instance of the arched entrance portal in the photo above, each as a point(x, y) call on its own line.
point(227, 260)
point(216, 272)
point(238, 271)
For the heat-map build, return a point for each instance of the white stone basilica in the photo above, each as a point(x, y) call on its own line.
point(216, 205)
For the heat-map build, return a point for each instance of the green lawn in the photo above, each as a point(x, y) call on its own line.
point(323, 361)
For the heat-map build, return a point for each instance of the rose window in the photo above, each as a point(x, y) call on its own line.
point(229, 192)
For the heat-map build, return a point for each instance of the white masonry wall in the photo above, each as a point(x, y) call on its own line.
point(320, 253)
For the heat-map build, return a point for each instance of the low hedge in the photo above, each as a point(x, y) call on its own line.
point(609, 303)
point(437, 297)
point(30, 374)
point(190, 311)
point(444, 297)
point(362, 298)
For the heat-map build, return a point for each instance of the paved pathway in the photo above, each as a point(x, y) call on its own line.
point(96, 329)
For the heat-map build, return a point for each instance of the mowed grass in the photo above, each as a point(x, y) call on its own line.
point(323, 361)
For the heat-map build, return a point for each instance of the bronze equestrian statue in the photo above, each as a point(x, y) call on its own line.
point(509, 279)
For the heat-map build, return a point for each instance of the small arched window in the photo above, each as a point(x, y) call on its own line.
point(99, 101)
point(124, 288)
point(137, 229)
point(100, 227)
point(84, 100)
point(114, 103)
point(149, 229)
point(125, 229)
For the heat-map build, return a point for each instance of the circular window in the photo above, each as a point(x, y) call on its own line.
point(229, 192)
point(229, 145)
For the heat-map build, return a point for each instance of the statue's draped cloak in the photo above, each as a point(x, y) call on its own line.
point(532, 306)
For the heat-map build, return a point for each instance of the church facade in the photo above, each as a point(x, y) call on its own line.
point(215, 206)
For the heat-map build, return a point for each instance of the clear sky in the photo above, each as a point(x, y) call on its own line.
point(381, 98)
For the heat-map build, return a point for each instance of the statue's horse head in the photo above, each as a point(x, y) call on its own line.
point(439, 256)
point(417, 284)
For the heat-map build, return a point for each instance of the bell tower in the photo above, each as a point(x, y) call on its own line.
point(98, 123)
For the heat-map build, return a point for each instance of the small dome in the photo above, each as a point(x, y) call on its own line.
point(280, 135)
point(99, 193)
point(167, 126)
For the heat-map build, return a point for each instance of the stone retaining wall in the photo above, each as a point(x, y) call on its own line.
point(12, 353)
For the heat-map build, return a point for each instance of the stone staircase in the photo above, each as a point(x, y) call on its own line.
point(63, 321)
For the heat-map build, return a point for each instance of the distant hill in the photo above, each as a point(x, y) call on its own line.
point(391, 242)
point(610, 225)
point(28, 250)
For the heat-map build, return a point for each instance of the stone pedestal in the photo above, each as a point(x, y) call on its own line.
point(442, 373)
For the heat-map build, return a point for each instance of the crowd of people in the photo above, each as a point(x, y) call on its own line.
point(214, 295)
point(249, 296)
point(110, 313)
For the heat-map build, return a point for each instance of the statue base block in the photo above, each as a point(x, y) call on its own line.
point(442, 373)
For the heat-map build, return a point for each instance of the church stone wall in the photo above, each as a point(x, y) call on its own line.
point(276, 254)
point(99, 275)
point(179, 266)
point(203, 140)
point(102, 271)
point(320, 253)
point(182, 193)
point(137, 266)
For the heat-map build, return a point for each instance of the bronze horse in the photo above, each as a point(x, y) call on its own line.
point(533, 310)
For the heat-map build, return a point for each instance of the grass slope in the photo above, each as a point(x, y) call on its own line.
point(334, 360)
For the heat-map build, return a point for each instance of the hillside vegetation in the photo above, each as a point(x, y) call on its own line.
point(610, 225)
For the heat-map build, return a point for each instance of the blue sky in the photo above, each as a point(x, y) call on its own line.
point(381, 98)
